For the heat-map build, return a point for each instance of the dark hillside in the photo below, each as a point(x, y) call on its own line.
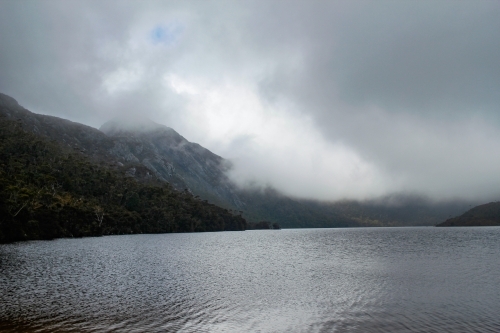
point(80, 138)
point(49, 191)
point(483, 215)
point(294, 213)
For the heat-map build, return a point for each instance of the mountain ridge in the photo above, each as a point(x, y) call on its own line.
point(50, 190)
point(145, 150)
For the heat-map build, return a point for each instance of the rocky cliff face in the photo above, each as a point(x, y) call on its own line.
point(170, 157)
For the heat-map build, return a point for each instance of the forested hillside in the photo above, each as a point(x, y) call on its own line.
point(482, 215)
point(49, 191)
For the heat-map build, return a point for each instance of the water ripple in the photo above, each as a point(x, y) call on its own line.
point(328, 280)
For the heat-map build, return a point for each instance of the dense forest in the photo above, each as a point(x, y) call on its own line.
point(49, 191)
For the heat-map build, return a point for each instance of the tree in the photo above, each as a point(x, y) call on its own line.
point(99, 214)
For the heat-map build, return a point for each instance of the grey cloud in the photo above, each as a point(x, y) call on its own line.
point(399, 55)
point(57, 52)
point(425, 56)
point(402, 83)
point(410, 86)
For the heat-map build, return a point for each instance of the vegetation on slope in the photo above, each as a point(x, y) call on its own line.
point(270, 205)
point(482, 215)
point(48, 191)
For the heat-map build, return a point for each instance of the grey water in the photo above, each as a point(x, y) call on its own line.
point(313, 280)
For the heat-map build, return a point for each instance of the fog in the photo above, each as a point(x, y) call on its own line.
point(319, 99)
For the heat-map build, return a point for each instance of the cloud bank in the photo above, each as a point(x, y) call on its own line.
point(325, 100)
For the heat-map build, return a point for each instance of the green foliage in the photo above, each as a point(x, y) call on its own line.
point(133, 201)
point(48, 191)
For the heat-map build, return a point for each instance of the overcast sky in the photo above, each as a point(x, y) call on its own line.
point(320, 99)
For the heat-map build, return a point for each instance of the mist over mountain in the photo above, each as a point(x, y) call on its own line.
point(131, 124)
point(145, 150)
point(170, 157)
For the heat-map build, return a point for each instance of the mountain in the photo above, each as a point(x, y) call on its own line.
point(171, 158)
point(146, 151)
point(482, 215)
point(60, 179)
point(401, 210)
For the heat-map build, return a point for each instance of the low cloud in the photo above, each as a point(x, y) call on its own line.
point(270, 145)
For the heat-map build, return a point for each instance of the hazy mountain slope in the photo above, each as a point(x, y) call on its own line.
point(400, 210)
point(482, 215)
point(85, 140)
point(293, 213)
point(204, 173)
point(395, 210)
point(174, 159)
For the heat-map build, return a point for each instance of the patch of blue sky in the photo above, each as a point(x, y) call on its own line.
point(166, 34)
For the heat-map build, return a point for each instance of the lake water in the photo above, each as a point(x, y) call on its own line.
point(313, 280)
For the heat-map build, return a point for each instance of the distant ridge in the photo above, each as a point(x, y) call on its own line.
point(482, 215)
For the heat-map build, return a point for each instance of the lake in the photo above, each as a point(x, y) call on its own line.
point(306, 280)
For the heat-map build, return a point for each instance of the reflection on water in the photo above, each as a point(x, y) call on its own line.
point(324, 280)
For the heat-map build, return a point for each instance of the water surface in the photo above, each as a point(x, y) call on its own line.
point(322, 280)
